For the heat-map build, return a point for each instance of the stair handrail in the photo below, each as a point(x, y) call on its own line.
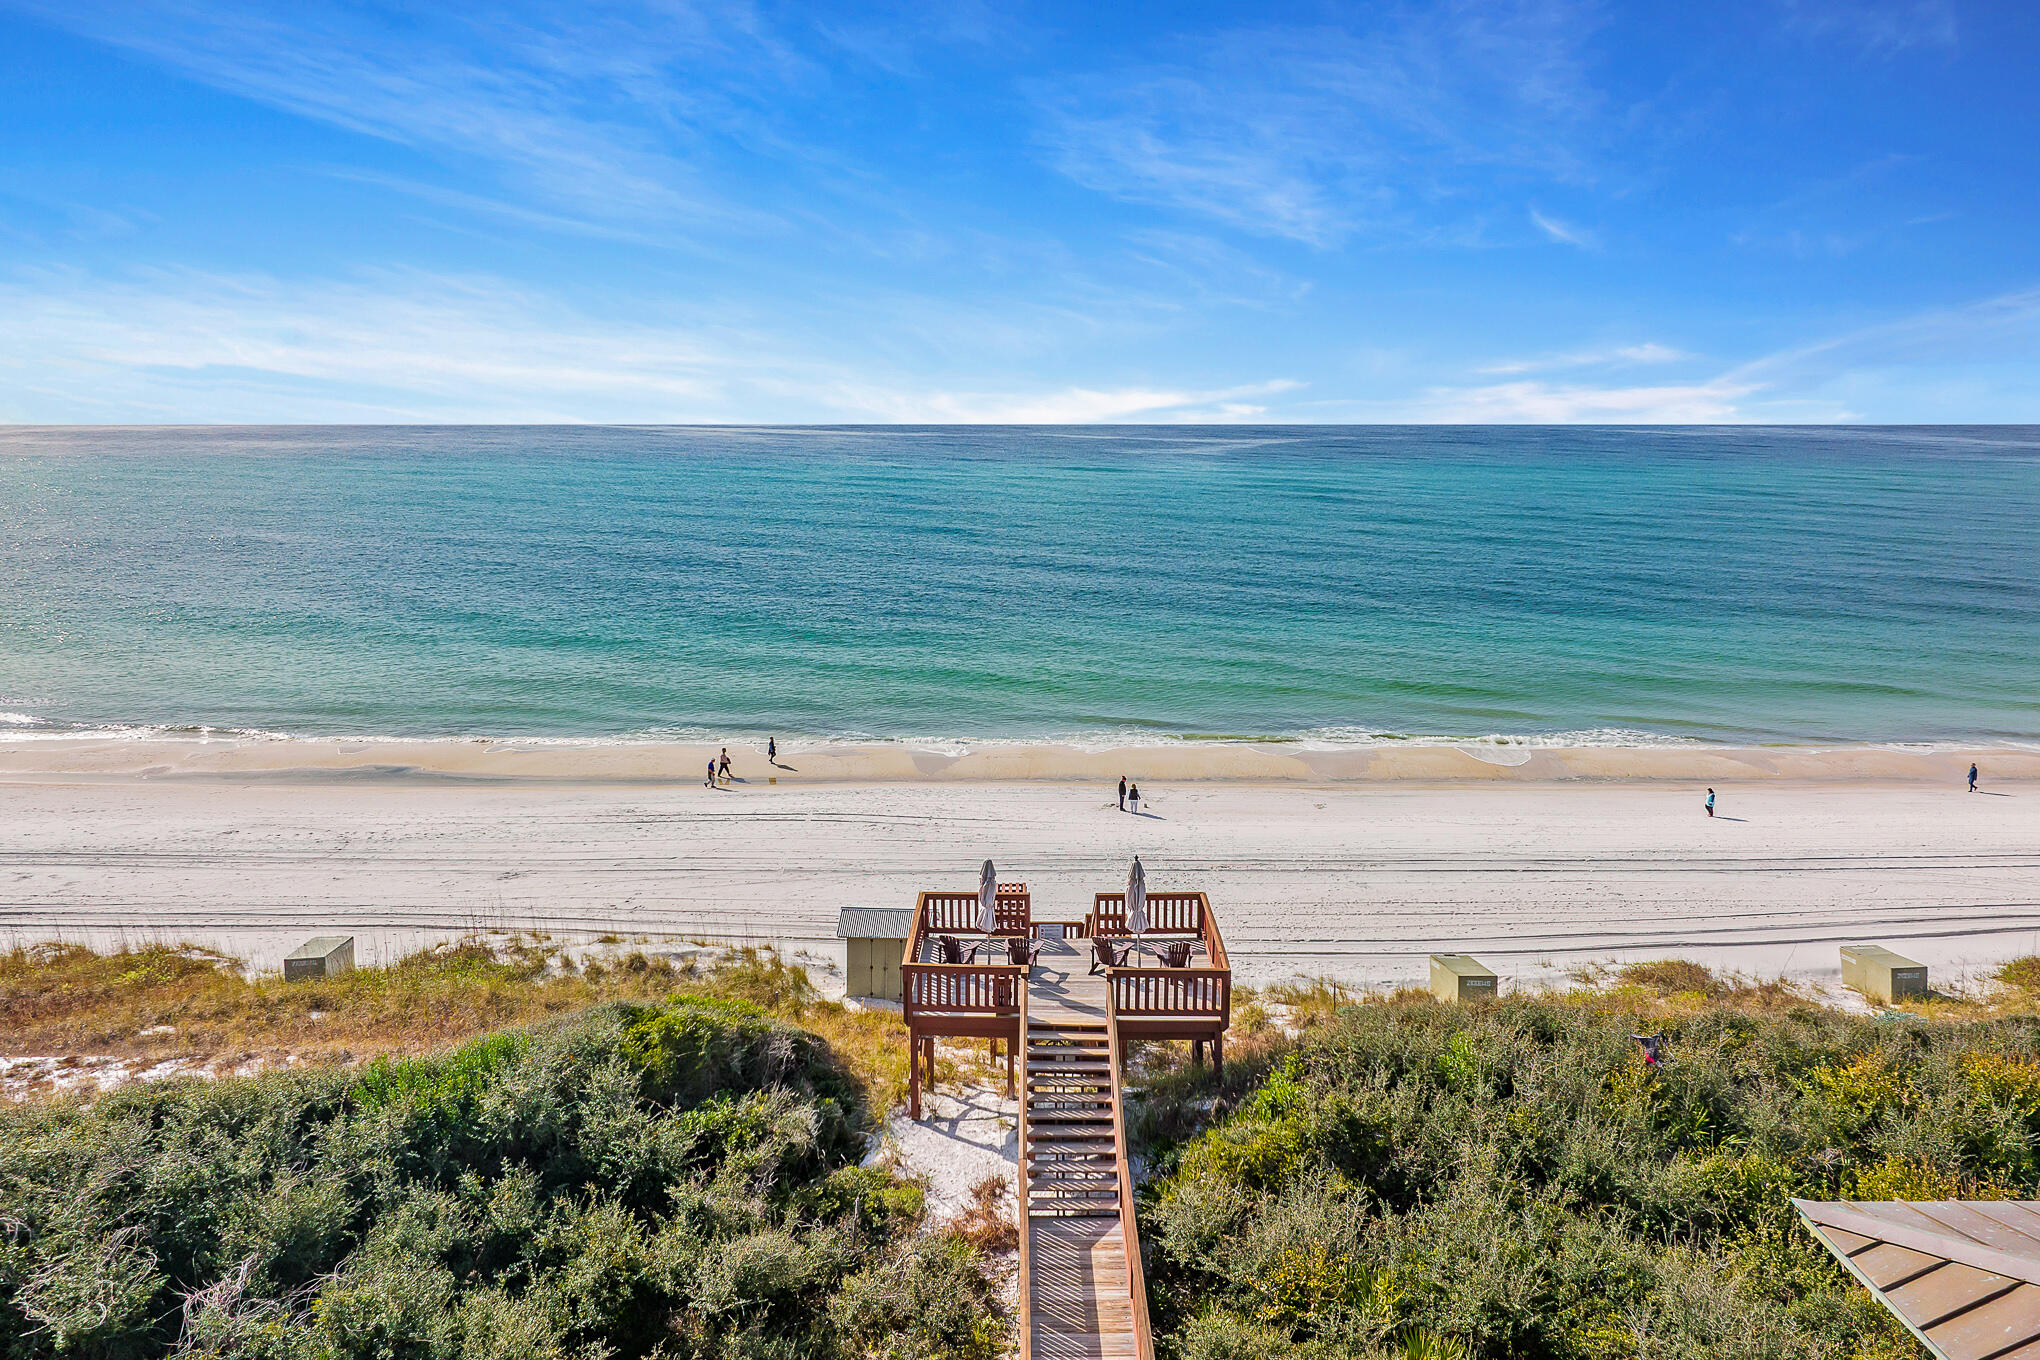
point(1023, 1201)
point(1129, 1229)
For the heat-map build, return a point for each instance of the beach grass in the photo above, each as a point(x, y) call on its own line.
point(203, 1010)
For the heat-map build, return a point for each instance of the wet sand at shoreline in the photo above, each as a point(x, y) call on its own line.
point(826, 762)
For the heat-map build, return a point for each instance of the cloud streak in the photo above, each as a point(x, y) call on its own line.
point(1320, 135)
point(1563, 232)
point(401, 345)
point(1649, 352)
point(612, 115)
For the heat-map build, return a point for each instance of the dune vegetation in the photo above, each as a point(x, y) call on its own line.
point(676, 1179)
point(502, 1152)
point(1510, 1180)
point(150, 1003)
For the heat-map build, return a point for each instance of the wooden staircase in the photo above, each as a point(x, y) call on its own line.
point(1072, 1147)
point(1083, 1297)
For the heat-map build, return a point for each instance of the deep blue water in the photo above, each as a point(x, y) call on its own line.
point(1712, 584)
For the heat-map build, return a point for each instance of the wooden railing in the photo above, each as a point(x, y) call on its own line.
point(1023, 1198)
point(1129, 1226)
point(948, 912)
point(940, 913)
point(962, 988)
point(1168, 914)
point(1172, 991)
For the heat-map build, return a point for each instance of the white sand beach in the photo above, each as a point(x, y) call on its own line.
point(1356, 877)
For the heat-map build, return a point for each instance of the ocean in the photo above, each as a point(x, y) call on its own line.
point(1108, 585)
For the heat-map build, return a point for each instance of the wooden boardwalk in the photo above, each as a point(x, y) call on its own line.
point(1079, 1261)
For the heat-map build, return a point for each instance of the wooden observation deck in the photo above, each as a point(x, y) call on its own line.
point(1070, 995)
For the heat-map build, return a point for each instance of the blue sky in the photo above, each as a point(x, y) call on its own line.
point(1771, 210)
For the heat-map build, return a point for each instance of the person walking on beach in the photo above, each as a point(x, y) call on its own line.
point(1972, 776)
point(724, 770)
point(710, 781)
point(1133, 795)
point(772, 750)
point(1710, 802)
point(1122, 789)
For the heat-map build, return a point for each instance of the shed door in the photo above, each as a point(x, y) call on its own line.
point(886, 982)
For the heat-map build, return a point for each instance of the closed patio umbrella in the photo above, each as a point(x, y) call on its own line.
point(988, 898)
point(1136, 899)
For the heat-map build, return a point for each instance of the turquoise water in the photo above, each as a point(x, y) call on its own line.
point(1147, 584)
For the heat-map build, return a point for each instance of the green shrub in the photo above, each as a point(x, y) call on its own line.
point(673, 1180)
point(1512, 1180)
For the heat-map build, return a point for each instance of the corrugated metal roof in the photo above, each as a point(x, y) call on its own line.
point(875, 923)
point(1964, 1275)
point(319, 946)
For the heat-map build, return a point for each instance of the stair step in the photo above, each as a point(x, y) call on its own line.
point(1069, 1117)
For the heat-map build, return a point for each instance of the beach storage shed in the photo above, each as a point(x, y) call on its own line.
point(325, 956)
point(874, 943)
point(1461, 977)
point(1881, 975)
point(1962, 1275)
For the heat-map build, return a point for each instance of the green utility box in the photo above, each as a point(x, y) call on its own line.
point(874, 945)
point(326, 956)
point(1461, 977)
point(1881, 975)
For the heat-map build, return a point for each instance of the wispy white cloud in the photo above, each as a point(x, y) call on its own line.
point(1563, 232)
point(185, 345)
point(609, 113)
point(1543, 403)
point(1878, 27)
point(1316, 135)
point(402, 345)
point(2000, 329)
point(1068, 406)
point(1976, 353)
point(1649, 352)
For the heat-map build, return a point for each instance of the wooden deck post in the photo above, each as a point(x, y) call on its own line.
point(913, 1078)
